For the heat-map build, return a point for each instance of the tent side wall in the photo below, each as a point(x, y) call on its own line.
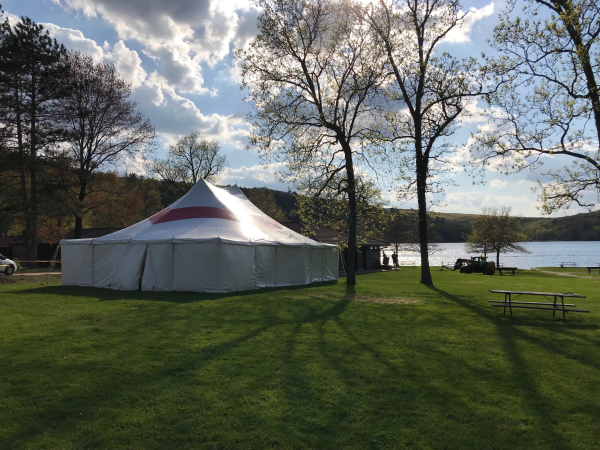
point(292, 266)
point(210, 266)
point(331, 264)
point(158, 269)
point(77, 263)
point(119, 265)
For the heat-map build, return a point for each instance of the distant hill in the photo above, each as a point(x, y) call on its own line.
point(453, 227)
point(579, 227)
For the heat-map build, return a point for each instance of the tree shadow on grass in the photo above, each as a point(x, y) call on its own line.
point(102, 294)
point(101, 383)
point(510, 333)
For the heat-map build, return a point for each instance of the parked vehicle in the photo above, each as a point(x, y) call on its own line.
point(7, 266)
point(477, 264)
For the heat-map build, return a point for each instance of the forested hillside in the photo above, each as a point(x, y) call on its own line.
point(120, 201)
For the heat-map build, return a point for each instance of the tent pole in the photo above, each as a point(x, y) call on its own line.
point(173, 264)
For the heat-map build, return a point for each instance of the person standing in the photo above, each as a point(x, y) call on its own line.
point(395, 259)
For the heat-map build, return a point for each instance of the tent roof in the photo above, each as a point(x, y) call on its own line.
point(208, 213)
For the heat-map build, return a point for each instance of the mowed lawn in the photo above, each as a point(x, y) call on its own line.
point(389, 364)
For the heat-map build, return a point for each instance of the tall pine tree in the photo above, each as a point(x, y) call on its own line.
point(33, 74)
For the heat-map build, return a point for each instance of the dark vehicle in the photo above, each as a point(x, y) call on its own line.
point(460, 262)
point(477, 264)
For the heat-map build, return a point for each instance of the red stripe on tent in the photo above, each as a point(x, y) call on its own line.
point(193, 212)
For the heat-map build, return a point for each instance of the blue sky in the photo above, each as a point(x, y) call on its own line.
point(178, 55)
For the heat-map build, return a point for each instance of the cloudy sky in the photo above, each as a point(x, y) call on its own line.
point(178, 56)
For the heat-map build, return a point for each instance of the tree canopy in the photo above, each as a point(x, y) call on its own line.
point(548, 109)
point(190, 160)
point(313, 73)
point(102, 124)
point(427, 93)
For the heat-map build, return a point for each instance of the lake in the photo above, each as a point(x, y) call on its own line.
point(542, 254)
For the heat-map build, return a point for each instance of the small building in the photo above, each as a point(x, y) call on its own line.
point(368, 254)
point(15, 247)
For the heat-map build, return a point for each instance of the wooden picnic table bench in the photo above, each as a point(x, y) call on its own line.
point(568, 264)
point(564, 307)
point(589, 269)
point(507, 269)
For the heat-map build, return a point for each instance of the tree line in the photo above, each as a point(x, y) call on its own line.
point(66, 121)
point(63, 117)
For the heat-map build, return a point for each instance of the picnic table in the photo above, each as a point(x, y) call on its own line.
point(589, 269)
point(562, 306)
point(507, 269)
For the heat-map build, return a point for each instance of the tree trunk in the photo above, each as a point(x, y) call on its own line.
point(32, 238)
point(78, 227)
point(423, 239)
point(571, 20)
point(79, 212)
point(23, 165)
point(351, 263)
point(498, 258)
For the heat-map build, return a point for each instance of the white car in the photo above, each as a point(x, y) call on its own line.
point(7, 266)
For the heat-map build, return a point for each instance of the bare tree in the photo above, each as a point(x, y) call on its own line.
point(496, 230)
point(313, 73)
point(430, 91)
point(550, 54)
point(103, 125)
point(188, 161)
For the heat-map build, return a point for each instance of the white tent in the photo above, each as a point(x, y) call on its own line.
point(210, 240)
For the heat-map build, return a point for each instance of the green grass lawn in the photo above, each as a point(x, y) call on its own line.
point(389, 364)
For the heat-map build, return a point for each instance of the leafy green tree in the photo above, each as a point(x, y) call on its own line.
point(495, 230)
point(329, 210)
point(428, 92)
point(312, 73)
point(188, 161)
point(33, 70)
point(550, 103)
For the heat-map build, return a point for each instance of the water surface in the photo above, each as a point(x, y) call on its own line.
point(542, 254)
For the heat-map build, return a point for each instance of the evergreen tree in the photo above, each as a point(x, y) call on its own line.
point(33, 69)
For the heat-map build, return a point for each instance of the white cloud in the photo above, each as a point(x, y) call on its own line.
point(498, 183)
point(179, 36)
point(12, 19)
point(126, 61)
point(472, 202)
point(179, 69)
point(254, 176)
point(461, 34)
point(175, 115)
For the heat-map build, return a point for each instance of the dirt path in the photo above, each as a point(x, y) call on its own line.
point(36, 274)
point(564, 274)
